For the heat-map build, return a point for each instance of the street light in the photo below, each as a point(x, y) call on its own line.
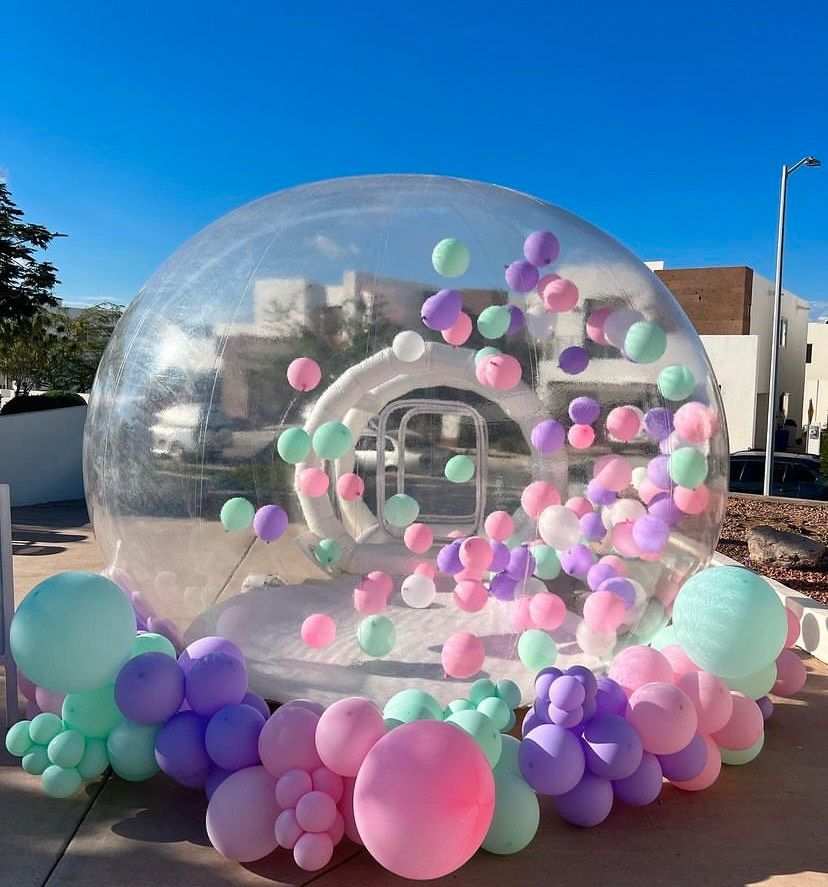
point(777, 318)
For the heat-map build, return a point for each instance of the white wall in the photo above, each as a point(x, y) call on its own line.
point(816, 374)
point(735, 363)
point(41, 455)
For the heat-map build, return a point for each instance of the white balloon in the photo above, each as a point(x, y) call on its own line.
point(559, 527)
point(418, 591)
point(594, 643)
point(624, 510)
point(618, 323)
point(540, 322)
point(408, 346)
point(639, 475)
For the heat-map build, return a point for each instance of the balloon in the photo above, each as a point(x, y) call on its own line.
point(546, 610)
point(304, 374)
point(462, 655)
point(418, 538)
point(313, 482)
point(498, 710)
point(482, 729)
point(418, 591)
point(287, 830)
point(679, 661)
point(604, 611)
point(499, 526)
point(688, 468)
point(214, 780)
point(541, 248)
point(292, 786)
point(150, 641)
point(450, 257)
point(588, 804)
point(35, 761)
point(179, 747)
point(287, 741)
point(241, 815)
point(459, 469)
point(548, 436)
point(293, 445)
point(708, 775)
point(612, 747)
point(536, 649)
point(790, 674)
point(573, 360)
point(737, 757)
point(130, 748)
point(408, 346)
point(44, 727)
point(424, 799)
point(636, 666)
point(551, 759)
point(331, 440)
point(18, 741)
point(73, 632)
point(232, 737)
point(66, 749)
point(745, 725)
point(794, 627)
point(204, 647)
point(59, 782)
point(560, 295)
point(442, 309)
point(413, 705)
point(327, 552)
point(315, 812)
point(94, 713)
point(645, 342)
point(580, 437)
point(493, 321)
point(687, 763)
point(694, 422)
point(624, 423)
point(471, 595)
point(318, 630)
point(755, 685)
point(346, 732)
point(559, 527)
point(49, 701)
point(313, 851)
point(350, 487)
point(676, 382)
point(710, 697)
point(236, 514)
point(95, 759)
point(537, 496)
point(215, 680)
point(401, 510)
point(376, 635)
point(664, 717)
point(458, 333)
point(516, 814)
point(521, 276)
point(643, 786)
point(150, 688)
point(729, 621)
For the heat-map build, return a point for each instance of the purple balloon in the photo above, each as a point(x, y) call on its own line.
point(588, 804)
point(270, 522)
point(440, 311)
point(598, 574)
point(658, 471)
point(149, 689)
point(503, 587)
point(448, 558)
point(584, 410)
point(687, 763)
point(622, 587)
point(586, 677)
point(500, 557)
point(644, 786)
point(551, 759)
point(315, 707)
point(180, 750)
point(573, 360)
point(663, 507)
point(612, 747)
point(214, 780)
point(548, 436)
point(541, 248)
point(522, 276)
point(567, 693)
point(592, 527)
point(530, 721)
point(610, 697)
point(521, 563)
point(765, 706)
point(588, 710)
point(232, 737)
point(204, 647)
point(650, 533)
point(577, 560)
point(658, 423)
point(544, 679)
point(541, 710)
point(214, 681)
point(598, 495)
point(257, 702)
point(517, 320)
point(567, 719)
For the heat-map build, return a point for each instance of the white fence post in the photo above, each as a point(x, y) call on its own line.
point(7, 611)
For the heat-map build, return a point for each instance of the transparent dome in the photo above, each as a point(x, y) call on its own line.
point(594, 422)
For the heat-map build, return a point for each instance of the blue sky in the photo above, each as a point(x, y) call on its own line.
point(130, 127)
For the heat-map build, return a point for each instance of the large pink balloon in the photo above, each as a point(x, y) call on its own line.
point(711, 698)
point(424, 799)
point(242, 814)
point(664, 716)
point(346, 732)
point(287, 741)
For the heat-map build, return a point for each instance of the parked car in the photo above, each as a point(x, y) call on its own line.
point(419, 453)
point(794, 475)
point(180, 432)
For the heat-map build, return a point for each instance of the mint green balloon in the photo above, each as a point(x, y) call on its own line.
point(676, 382)
point(44, 727)
point(487, 351)
point(131, 750)
point(688, 467)
point(18, 741)
point(413, 705)
point(35, 761)
point(755, 685)
point(736, 757)
point(327, 552)
point(547, 562)
point(61, 782)
point(457, 705)
point(482, 730)
point(331, 440)
point(94, 713)
point(376, 635)
point(450, 257)
point(401, 510)
point(293, 445)
point(73, 632)
point(493, 321)
point(150, 642)
point(730, 621)
point(66, 749)
point(496, 710)
point(664, 638)
point(237, 514)
point(95, 759)
point(516, 814)
point(509, 692)
point(459, 469)
point(645, 342)
point(481, 689)
point(391, 723)
point(536, 649)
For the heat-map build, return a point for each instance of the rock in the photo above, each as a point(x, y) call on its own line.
point(769, 544)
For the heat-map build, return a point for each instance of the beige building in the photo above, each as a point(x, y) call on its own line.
point(816, 375)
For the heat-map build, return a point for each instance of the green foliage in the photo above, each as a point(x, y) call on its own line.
point(50, 400)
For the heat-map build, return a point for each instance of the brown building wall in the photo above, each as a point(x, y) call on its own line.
point(717, 300)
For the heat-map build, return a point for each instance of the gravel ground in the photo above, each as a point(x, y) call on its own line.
point(807, 520)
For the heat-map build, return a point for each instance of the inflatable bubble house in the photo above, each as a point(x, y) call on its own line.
point(401, 431)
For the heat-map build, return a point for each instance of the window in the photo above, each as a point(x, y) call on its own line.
point(809, 352)
point(798, 474)
point(783, 333)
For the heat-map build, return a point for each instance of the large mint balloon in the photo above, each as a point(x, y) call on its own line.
point(516, 814)
point(73, 632)
point(93, 713)
point(729, 621)
point(131, 750)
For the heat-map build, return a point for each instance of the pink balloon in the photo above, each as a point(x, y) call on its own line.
point(547, 611)
point(242, 814)
point(337, 831)
point(694, 422)
point(618, 564)
point(579, 505)
point(745, 726)
point(581, 437)
point(520, 615)
point(346, 732)
point(624, 423)
point(604, 611)
point(636, 666)
point(709, 774)
point(418, 538)
point(462, 655)
point(710, 697)
point(325, 780)
point(287, 741)
point(468, 574)
point(287, 830)
point(794, 628)
point(313, 482)
point(313, 851)
point(27, 688)
point(647, 491)
point(424, 799)
point(49, 701)
point(692, 501)
point(499, 526)
point(304, 374)
point(480, 371)
point(369, 597)
point(459, 331)
point(612, 473)
point(471, 595)
point(790, 674)
point(501, 371)
point(595, 325)
point(664, 717)
point(290, 787)
point(475, 553)
point(559, 295)
point(346, 808)
point(624, 542)
point(316, 812)
point(386, 583)
point(318, 630)
point(538, 495)
point(350, 487)
point(425, 569)
point(681, 664)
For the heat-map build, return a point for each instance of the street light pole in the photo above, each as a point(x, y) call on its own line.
point(777, 318)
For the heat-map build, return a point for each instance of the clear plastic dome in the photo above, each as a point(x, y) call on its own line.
point(192, 397)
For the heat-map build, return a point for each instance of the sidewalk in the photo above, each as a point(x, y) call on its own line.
point(763, 823)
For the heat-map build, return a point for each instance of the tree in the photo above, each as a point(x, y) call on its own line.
point(27, 350)
point(26, 283)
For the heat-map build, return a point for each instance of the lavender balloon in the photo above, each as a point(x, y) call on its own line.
point(270, 522)
point(765, 706)
point(622, 587)
point(610, 697)
point(204, 647)
point(149, 689)
point(214, 681)
point(687, 763)
point(651, 533)
point(567, 719)
point(567, 693)
point(658, 423)
point(503, 587)
point(658, 472)
point(232, 737)
point(440, 311)
point(517, 320)
point(663, 507)
point(448, 558)
point(588, 804)
point(643, 786)
point(612, 747)
point(598, 495)
point(180, 750)
point(521, 564)
point(500, 557)
point(573, 360)
point(585, 676)
point(522, 276)
point(577, 560)
point(551, 759)
point(530, 721)
point(592, 528)
point(584, 410)
point(544, 679)
point(541, 248)
point(599, 573)
point(256, 701)
point(548, 436)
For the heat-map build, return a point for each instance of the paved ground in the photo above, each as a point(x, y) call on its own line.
point(760, 824)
